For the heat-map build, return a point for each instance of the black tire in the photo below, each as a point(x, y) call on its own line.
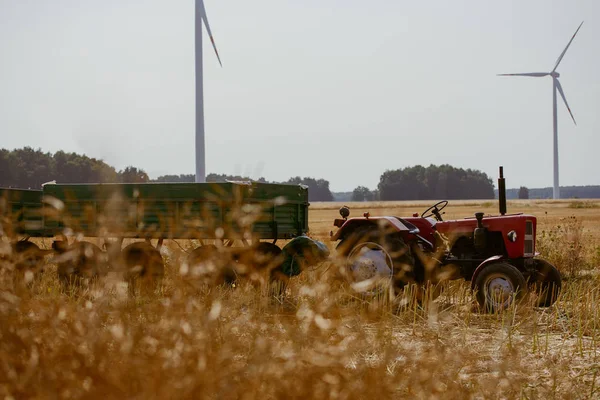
point(259, 262)
point(143, 264)
point(202, 254)
point(498, 285)
point(403, 263)
point(545, 283)
point(27, 256)
point(80, 262)
point(213, 266)
point(267, 256)
point(201, 261)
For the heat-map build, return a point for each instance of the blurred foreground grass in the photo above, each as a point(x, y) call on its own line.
point(319, 340)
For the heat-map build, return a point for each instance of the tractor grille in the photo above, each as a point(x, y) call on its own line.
point(528, 249)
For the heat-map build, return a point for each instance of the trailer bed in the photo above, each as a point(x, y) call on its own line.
point(21, 212)
point(161, 210)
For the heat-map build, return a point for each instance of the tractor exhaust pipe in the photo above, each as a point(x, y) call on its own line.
point(502, 192)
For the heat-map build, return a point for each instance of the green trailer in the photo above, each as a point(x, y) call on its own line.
point(21, 212)
point(251, 214)
point(179, 210)
point(160, 210)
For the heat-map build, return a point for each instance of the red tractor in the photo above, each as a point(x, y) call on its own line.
point(495, 253)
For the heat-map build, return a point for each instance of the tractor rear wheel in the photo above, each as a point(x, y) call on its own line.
point(545, 283)
point(498, 286)
point(371, 256)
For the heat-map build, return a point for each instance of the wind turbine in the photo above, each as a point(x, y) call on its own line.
point(201, 18)
point(555, 86)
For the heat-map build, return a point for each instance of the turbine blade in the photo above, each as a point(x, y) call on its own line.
point(562, 94)
point(535, 74)
point(202, 11)
point(565, 50)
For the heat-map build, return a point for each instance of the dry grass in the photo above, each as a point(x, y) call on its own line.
point(319, 340)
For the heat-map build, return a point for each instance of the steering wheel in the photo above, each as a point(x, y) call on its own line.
point(434, 210)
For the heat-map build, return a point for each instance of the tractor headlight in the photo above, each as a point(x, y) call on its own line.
point(512, 236)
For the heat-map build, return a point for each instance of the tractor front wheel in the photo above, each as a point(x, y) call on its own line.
point(498, 286)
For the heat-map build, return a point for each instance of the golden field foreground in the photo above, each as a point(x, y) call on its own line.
point(319, 339)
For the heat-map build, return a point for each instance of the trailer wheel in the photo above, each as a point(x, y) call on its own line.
point(268, 259)
point(78, 262)
point(259, 262)
point(267, 256)
point(370, 255)
point(201, 261)
point(27, 256)
point(498, 286)
point(212, 266)
point(546, 283)
point(144, 265)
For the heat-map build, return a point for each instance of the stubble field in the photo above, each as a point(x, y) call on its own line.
point(318, 340)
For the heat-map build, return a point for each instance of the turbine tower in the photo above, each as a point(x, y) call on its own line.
point(555, 86)
point(201, 19)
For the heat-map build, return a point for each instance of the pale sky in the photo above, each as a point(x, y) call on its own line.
point(341, 90)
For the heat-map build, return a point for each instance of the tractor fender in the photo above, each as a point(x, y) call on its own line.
point(387, 224)
point(481, 266)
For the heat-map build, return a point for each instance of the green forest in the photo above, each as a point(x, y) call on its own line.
point(435, 182)
point(29, 168)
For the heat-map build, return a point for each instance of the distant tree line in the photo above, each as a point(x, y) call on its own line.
point(183, 178)
point(318, 189)
point(566, 192)
point(189, 178)
point(435, 182)
point(362, 193)
point(523, 193)
point(28, 168)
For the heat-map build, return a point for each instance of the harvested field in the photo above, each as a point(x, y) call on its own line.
point(318, 340)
